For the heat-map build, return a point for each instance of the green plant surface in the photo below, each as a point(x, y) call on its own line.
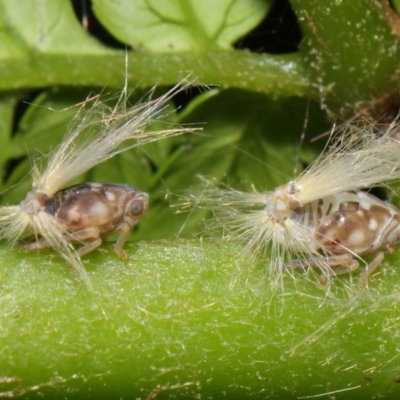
point(348, 66)
point(192, 318)
point(178, 25)
point(36, 54)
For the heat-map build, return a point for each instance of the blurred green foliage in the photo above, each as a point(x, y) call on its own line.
point(259, 104)
point(254, 105)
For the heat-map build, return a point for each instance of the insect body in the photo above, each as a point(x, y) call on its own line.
point(322, 218)
point(358, 221)
point(92, 211)
point(87, 212)
point(344, 226)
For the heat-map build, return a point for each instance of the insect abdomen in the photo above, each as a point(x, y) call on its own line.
point(357, 223)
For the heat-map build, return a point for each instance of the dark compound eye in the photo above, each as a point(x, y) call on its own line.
point(136, 207)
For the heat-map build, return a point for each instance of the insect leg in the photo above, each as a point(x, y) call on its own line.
point(124, 231)
point(83, 234)
point(344, 263)
point(89, 247)
point(38, 245)
point(371, 267)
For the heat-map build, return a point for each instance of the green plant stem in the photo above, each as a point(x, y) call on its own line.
point(192, 319)
point(278, 75)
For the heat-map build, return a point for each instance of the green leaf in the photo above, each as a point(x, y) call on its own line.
point(352, 65)
point(396, 5)
point(41, 26)
point(7, 107)
point(40, 129)
point(42, 44)
point(10, 47)
point(49, 112)
point(248, 140)
point(180, 25)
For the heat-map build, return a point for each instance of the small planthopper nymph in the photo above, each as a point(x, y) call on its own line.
point(91, 212)
point(55, 215)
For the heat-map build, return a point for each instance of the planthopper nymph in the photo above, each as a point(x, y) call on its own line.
point(56, 215)
point(325, 217)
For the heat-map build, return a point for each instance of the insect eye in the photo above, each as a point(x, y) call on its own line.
point(394, 238)
point(136, 207)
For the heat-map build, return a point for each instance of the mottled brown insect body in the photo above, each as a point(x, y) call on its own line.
point(346, 225)
point(92, 211)
point(361, 224)
point(100, 205)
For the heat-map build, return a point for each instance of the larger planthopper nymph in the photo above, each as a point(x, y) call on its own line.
point(325, 217)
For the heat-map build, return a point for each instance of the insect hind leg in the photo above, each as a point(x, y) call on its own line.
point(91, 234)
point(329, 265)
